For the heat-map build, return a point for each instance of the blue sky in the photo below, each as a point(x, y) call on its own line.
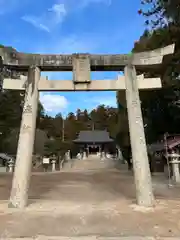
point(68, 26)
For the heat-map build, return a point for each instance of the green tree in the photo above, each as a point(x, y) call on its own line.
point(161, 107)
point(161, 12)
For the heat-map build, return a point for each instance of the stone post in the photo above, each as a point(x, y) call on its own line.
point(20, 185)
point(53, 162)
point(53, 165)
point(100, 150)
point(103, 155)
point(84, 155)
point(175, 166)
point(11, 166)
point(143, 184)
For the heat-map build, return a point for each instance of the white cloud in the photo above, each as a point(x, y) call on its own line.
point(57, 13)
point(53, 103)
point(48, 20)
point(13, 5)
point(35, 22)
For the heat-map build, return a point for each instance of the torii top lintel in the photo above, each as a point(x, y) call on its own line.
point(116, 62)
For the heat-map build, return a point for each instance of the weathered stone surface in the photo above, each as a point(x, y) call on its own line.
point(144, 194)
point(20, 186)
point(81, 68)
point(94, 85)
point(22, 61)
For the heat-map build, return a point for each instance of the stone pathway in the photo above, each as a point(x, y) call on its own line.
point(92, 163)
point(91, 204)
point(92, 238)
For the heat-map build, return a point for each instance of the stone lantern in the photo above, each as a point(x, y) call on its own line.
point(175, 166)
point(11, 165)
point(53, 162)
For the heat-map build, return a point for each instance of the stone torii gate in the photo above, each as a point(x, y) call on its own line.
point(82, 65)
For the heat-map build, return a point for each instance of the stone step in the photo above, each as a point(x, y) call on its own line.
point(88, 164)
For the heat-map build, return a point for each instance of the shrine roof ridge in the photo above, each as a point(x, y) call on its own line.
point(98, 136)
point(98, 62)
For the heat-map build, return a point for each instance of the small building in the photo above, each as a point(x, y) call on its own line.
point(94, 142)
point(158, 151)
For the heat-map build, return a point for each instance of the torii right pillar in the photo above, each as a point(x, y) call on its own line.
point(143, 184)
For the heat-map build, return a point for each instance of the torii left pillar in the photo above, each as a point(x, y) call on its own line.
point(21, 179)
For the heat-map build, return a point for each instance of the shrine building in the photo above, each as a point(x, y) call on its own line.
point(94, 142)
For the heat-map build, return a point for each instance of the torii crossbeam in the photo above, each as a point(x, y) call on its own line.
point(95, 85)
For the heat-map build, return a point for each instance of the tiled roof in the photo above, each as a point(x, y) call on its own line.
point(160, 146)
point(93, 137)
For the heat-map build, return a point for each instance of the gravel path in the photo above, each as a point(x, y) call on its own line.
point(89, 204)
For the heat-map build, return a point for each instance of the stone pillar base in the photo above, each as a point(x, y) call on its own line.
point(176, 173)
point(84, 156)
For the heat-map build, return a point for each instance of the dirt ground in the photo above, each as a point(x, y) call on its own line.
point(98, 203)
